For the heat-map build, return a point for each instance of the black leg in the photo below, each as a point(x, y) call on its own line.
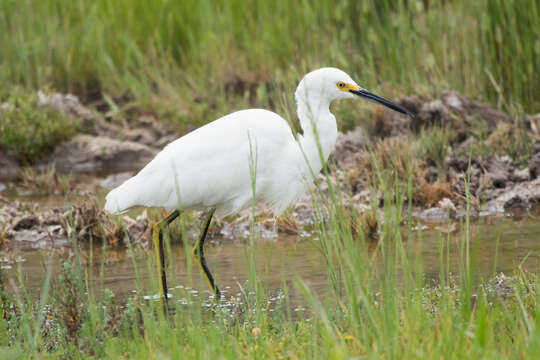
point(160, 250)
point(198, 254)
point(163, 275)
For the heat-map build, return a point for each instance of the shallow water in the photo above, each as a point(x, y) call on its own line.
point(282, 260)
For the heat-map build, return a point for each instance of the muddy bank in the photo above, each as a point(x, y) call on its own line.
point(451, 145)
point(488, 157)
point(102, 144)
point(453, 148)
point(26, 225)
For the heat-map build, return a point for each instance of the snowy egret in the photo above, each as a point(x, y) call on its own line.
point(211, 168)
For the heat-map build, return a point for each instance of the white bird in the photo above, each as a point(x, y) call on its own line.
point(212, 167)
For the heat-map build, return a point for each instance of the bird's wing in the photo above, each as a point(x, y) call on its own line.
point(209, 167)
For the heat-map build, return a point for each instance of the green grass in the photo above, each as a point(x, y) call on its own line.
point(191, 61)
point(29, 129)
point(378, 303)
point(433, 147)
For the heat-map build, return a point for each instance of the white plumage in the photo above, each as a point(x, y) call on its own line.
point(210, 167)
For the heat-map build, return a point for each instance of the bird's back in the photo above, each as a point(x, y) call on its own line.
point(210, 167)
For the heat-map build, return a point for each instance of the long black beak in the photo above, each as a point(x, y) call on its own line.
point(376, 98)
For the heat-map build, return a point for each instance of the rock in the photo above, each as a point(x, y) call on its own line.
point(431, 113)
point(471, 109)
point(498, 172)
point(507, 160)
point(534, 166)
point(452, 99)
point(520, 175)
point(33, 237)
point(86, 153)
point(26, 222)
point(520, 196)
point(348, 147)
point(2, 187)
point(516, 203)
point(66, 103)
point(145, 130)
point(70, 105)
point(9, 167)
point(447, 205)
point(25, 229)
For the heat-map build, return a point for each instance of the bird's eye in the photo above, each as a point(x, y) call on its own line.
point(341, 85)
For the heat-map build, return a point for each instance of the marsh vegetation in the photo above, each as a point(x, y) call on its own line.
point(419, 238)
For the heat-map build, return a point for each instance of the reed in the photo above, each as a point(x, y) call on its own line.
point(192, 60)
point(379, 302)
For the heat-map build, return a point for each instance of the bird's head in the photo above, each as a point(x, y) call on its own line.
point(333, 84)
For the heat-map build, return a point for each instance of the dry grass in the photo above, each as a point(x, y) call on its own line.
point(365, 223)
point(395, 154)
point(45, 181)
point(89, 222)
point(287, 223)
point(428, 195)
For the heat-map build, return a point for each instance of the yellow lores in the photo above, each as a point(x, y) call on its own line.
point(347, 87)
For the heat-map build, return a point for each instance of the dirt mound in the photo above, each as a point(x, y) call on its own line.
point(68, 104)
point(103, 145)
point(498, 182)
point(349, 146)
point(145, 130)
point(453, 110)
point(106, 146)
point(86, 153)
point(520, 197)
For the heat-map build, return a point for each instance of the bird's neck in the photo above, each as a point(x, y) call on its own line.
point(319, 128)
